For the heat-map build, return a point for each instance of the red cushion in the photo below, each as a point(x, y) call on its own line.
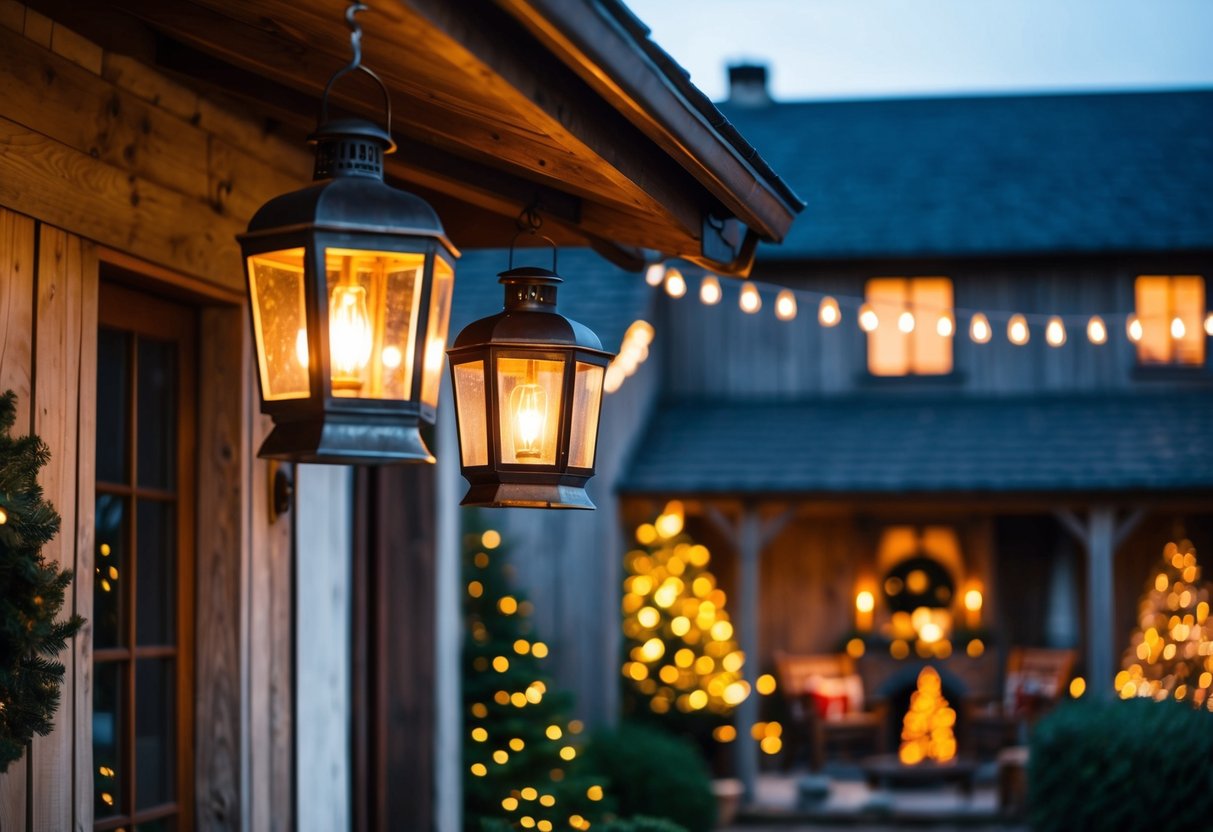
point(829, 706)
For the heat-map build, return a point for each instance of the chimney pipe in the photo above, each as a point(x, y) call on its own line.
point(748, 85)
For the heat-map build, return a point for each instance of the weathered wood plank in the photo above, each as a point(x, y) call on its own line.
point(59, 310)
point(217, 717)
point(38, 27)
point(76, 48)
point(58, 184)
point(85, 531)
point(16, 368)
point(12, 15)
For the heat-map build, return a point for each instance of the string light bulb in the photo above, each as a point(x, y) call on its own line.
point(828, 313)
point(1017, 330)
point(675, 283)
point(868, 319)
point(1055, 332)
point(1178, 330)
point(905, 322)
point(979, 329)
point(1097, 331)
point(1133, 328)
point(946, 325)
point(785, 305)
point(1209, 324)
point(709, 290)
point(749, 301)
point(654, 275)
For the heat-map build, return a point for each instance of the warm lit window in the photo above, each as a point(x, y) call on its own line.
point(914, 326)
point(1171, 310)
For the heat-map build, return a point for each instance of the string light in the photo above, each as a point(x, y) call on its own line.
point(1017, 330)
point(1209, 324)
point(654, 275)
point(1178, 330)
point(1055, 332)
point(828, 313)
point(945, 326)
point(785, 305)
point(1097, 332)
point(905, 322)
point(979, 329)
point(675, 283)
point(1133, 328)
point(868, 320)
point(749, 301)
point(709, 290)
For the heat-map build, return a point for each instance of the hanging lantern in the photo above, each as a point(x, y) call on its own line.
point(528, 393)
point(350, 284)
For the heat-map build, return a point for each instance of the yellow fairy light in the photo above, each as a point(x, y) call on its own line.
point(1078, 686)
point(1133, 328)
point(945, 325)
point(771, 745)
point(1017, 330)
point(546, 800)
point(516, 744)
point(655, 274)
point(517, 699)
point(1055, 332)
point(865, 601)
point(973, 600)
point(765, 684)
point(553, 732)
point(529, 793)
point(475, 589)
point(480, 735)
point(698, 699)
point(491, 539)
point(510, 804)
point(979, 329)
point(868, 319)
point(1097, 330)
point(479, 769)
point(709, 291)
point(785, 305)
point(675, 283)
point(1178, 330)
point(501, 664)
point(527, 822)
point(828, 313)
point(479, 710)
point(722, 631)
point(1209, 332)
point(855, 648)
point(749, 301)
point(905, 322)
point(724, 733)
point(508, 605)
point(568, 753)
point(594, 793)
point(500, 757)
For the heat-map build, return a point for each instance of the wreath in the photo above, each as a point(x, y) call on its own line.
point(31, 594)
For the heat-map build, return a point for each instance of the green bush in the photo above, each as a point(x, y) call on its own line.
point(1136, 764)
point(653, 776)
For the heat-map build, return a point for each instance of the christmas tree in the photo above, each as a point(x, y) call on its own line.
point(926, 731)
point(31, 594)
point(1170, 653)
point(681, 657)
point(520, 750)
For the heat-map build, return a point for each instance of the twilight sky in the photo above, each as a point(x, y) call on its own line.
point(865, 48)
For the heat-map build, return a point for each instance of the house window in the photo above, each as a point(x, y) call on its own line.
point(142, 592)
point(1171, 310)
point(915, 343)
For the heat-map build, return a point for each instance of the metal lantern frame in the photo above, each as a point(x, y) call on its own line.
point(528, 328)
point(350, 209)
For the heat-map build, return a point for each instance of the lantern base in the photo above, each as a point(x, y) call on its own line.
point(528, 495)
point(334, 441)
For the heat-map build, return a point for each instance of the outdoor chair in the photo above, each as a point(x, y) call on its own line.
point(1036, 678)
point(827, 710)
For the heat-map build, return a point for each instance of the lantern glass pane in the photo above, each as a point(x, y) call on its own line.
point(280, 323)
point(587, 398)
point(529, 405)
point(373, 301)
point(471, 407)
point(435, 339)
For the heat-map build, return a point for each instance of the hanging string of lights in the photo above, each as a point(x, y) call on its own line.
point(832, 309)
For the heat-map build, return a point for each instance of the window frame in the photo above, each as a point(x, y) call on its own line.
point(1173, 362)
point(908, 339)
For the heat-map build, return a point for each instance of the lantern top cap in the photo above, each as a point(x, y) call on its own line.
point(337, 129)
point(529, 276)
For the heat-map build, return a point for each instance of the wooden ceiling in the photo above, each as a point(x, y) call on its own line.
point(488, 117)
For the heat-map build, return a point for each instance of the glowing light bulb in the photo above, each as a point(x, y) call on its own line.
point(785, 305)
point(1209, 324)
point(750, 301)
point(905, 322)
point(828, 313)
point(350, 336)
point(654, 275)
point(1097, 331)
point(1133, 328)
point(675, 283)
point(945, 326)
point(1055, 332)
point(528, 418)
point(709, 291)
point(979, 329)
point(1178, 330)
point(391, 357)
point(973, 600)
point(1017, 330)
point(868, 320)
point(865, 601)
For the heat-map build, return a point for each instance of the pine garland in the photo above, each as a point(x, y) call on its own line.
point(32, 592)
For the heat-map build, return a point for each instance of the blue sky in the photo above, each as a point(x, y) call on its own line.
point(863, 48)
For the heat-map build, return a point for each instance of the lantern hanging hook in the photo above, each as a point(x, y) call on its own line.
point(529, 222)
point(355, 65)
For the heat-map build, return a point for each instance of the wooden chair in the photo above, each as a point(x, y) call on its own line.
point(1036, 678)
point(853, 730)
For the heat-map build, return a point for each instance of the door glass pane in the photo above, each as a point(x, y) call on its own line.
point(530, 391)
point(113, 396)
point(157, 395)
point(111, 572)
point(156, 583)
point(107, 735)
point(155, 732)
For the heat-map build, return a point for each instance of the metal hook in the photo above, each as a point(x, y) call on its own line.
point(355, 65)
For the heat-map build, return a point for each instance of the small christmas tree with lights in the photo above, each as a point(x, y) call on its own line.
point(926, 731)
point(31, 594)
point(1170, 653)
point(520, 750)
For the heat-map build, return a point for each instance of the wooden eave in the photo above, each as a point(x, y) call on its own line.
point(498, 105)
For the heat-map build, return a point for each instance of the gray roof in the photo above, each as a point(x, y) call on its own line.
point(595, 293)
point(897, 444)
point(1094, 173)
